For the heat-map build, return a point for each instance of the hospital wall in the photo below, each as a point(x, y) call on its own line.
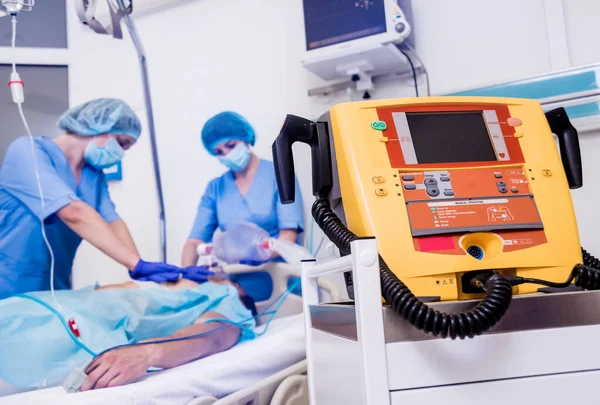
point(212, 55)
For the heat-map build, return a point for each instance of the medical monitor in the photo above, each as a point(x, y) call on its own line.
point(334, 22)
point(348, 36)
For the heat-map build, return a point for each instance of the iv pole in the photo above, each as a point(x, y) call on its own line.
point(86, 10)
point(150, 115)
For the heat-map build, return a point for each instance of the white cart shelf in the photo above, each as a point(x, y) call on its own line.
point(361, 352)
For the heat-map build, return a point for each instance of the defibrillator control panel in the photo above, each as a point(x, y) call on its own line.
point(457, 201)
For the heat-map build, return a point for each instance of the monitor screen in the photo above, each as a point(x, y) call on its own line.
point(450, 137)
point(329, 22)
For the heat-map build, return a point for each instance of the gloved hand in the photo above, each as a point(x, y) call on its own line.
point(155, 271)
point(198, 274)
point(253, 263)
point(161, 277)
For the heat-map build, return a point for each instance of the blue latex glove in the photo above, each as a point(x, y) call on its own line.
point(254, 263)
point(155, 271)
point(198, 274)
point(161, 277)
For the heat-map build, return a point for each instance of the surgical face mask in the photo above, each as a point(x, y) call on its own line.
point(237, 159)
point(105, 156)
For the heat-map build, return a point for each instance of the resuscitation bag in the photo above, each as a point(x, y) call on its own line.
point(36, 351)
point(246, 241)
point(242, 242)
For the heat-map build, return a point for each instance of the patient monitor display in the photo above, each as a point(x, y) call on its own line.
point(333, 22)
point(346, 38)
point(450, 137)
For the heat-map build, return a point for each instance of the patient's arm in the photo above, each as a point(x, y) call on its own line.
point(166, 355)
point(125, 285)
point(180, 284)
point(174, 285)
point(128, 364)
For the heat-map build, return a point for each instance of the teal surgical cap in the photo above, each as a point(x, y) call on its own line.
point(101, 116)
point(226, 126)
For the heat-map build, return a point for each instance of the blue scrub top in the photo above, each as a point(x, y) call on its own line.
point(222, 204)
point(24, 258)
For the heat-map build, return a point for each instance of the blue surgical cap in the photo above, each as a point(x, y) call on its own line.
point(101, 116)
point(226, 126)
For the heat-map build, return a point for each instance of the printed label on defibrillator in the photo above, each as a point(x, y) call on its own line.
point(431, 218)
point(467, 202)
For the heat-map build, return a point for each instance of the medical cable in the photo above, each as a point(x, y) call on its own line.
point(586, 275)
point(311, 237)
point(16, 86)
point(416, 55)
point(414, 72)
point(13, 21)
point(320, 246)
point(77, 341)
point(274, 312)
point(322, 242)
point(279, 301)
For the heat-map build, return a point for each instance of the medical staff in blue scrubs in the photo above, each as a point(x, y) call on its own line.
point(247, 192)
point(76, 201)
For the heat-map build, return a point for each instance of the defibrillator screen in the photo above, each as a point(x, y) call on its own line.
point(450, 137)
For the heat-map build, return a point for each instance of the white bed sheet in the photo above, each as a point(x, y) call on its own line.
point(220, 375)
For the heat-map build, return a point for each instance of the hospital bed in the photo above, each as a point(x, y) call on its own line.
point(269, 370)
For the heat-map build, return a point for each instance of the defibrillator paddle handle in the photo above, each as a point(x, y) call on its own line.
point(314, 134)
point(568, 141)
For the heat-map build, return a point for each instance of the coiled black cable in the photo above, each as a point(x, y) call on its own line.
point(588, 275)
point(589, 260)
point(464, 324)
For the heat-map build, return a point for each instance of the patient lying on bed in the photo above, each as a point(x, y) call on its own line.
point(36, 351)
